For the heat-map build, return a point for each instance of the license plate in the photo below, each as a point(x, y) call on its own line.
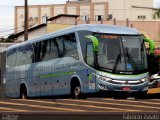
point(126, 88)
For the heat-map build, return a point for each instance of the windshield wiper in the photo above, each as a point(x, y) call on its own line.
point(130, 60)
point(117, 61)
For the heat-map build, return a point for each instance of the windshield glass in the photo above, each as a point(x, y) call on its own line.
point(120, 54)
point(135, 54)
point(110, 55)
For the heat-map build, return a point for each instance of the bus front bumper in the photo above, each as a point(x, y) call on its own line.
point(106, 86)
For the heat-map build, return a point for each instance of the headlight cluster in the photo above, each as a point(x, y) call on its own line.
point(145, 79)
point(104, 78)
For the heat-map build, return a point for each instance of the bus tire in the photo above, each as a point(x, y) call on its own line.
point(23, 92)
point(76, 90)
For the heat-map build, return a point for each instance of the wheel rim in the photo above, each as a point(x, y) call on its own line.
point(23, 96)
point(77, 91)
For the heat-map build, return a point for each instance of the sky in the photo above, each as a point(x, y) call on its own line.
point(7, 12)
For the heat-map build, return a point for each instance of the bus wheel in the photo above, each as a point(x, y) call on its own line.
point(23, 92)
point(75, 91)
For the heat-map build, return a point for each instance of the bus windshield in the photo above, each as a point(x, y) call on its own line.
point(121, 54)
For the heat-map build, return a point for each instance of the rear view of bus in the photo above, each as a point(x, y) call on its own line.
point(118, 56)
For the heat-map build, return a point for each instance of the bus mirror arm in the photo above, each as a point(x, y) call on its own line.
point(93, 60)
point(94, 41)
point(151, 45)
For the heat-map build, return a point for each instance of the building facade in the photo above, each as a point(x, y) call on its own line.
point(94, 10)
point(52, 24)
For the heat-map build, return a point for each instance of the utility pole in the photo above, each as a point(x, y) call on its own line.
point(26, 21)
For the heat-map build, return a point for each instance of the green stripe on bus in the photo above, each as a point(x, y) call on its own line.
point(90, 77)
point(122, 75)
point(54, 75)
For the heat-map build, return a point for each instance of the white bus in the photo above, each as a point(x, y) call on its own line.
point(80, 60)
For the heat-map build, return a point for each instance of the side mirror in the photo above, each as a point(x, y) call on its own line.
point(151, 44)
point(94, 41)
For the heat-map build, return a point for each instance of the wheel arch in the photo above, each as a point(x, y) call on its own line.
point(76, 79)
point(22, 87)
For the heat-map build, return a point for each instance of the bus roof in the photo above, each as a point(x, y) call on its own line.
point(99, 28)
point(110, 29)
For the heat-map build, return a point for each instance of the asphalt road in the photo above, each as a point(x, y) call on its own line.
point(89, 107)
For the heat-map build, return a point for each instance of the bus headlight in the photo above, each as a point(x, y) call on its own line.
point(106, 79)
point(145, 79)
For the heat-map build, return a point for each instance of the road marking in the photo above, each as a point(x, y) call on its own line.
point(107, 103)
point(121, 111)
point(136, 101)
point(117, 111)
point(11, 109)
point(40, 106)
point(87, 106)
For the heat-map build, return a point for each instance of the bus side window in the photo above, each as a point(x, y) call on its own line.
point(45, 50)
point(37, 51)
point(71, 46)
point(59, 42)
point(58, 47)
point(50, 50)
point(66, 46)
point(24, 55)
point(90, 54)
point(54, 50)
point(11, 58)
